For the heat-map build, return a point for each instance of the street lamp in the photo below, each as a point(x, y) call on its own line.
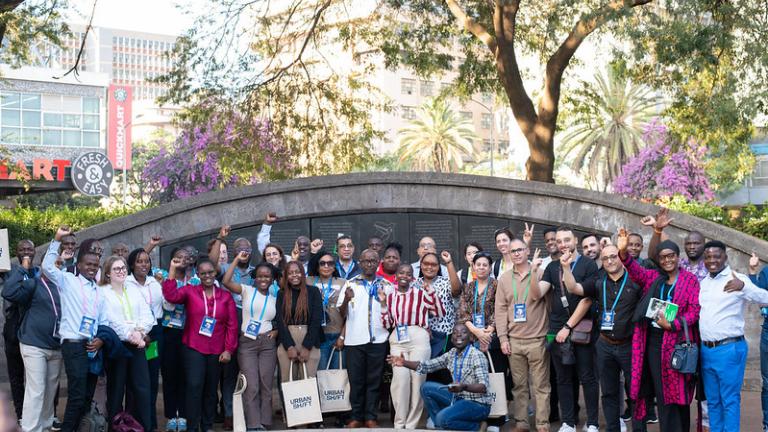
point(493, 143)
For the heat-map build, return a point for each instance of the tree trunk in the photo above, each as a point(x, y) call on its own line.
point(540, 165)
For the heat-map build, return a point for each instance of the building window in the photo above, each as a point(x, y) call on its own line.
point(485, 121)
point(487, 98)
point(466, 115)
point(407, 86)
point(761, 168)
point(427, 88)
point(407, 112)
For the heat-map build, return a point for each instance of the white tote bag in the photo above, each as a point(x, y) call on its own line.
point(333, 385)
point(498, 392)
point(301, 401)
point(238, 411)
point(5, 251)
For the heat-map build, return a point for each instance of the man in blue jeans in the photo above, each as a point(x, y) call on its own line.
point(761, 280)
point(464, 403)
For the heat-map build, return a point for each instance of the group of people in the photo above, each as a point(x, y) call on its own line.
point(586, 315)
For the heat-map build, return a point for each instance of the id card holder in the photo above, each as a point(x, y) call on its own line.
point(87, 327)
point(402, 333)
point(207, 326)
point(606, 323)
point(564, 301)
point(478, 320)
point(177, 317)
point(252, 331)
point(325, 319)
point(764, 311)
point(521, 314)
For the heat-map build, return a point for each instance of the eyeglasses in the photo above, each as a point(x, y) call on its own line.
point(517, 251)
point(429, 264)
point(609, 258)
point(246, 250)
point(326, 263)
point(208, 273)
point(119, 269)
point(346, 246)
point(667, 257)
point(370, 262)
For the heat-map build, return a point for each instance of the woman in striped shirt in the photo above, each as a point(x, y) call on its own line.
point(407, 310)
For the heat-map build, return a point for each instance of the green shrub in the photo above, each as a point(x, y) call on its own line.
point(40, 225)
point(751, 220)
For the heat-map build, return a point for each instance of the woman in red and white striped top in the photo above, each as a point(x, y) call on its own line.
point(407, 310)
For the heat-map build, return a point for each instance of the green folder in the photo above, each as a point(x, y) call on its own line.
point(151, 351)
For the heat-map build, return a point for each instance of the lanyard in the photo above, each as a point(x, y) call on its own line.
point(671, 289)
point(50, 294)
point(253, 297)
point(616, 300)
point(514, 286)
point(460, 366)
point(326, 290)
point(344, 272)
point(370, 287)
point(576, 261)
point(127, 310)
point(82, 294)
point(205, 302)
point(485, 293)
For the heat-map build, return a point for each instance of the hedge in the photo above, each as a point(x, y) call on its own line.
point(40, 225)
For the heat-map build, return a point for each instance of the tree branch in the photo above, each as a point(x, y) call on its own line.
point(471, 25)
point(73, 69)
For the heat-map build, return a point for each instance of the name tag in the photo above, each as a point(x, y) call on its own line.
point(325, 319)
point(174, 318)
point(521, 314)
point(87, 327)
point(478, 320)
point(564, 301)
point(606, 323)
point(252, 331)
point(207, 326)
point(402, 333)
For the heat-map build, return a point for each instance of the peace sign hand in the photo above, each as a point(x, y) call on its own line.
point(528, 234)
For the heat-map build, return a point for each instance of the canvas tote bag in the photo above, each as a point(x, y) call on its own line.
point(498, 391)
point(333, 385)
point(301, 400)
point(238, 411)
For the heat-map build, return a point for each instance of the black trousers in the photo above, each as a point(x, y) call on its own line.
point(80, 384)
point(156, 334)
point(672, 417)
point(612, 360)
point(202, 376)
point(15, 369)
point(174, 392)
point(584, 369)
point(129, 372)
point(365, 364)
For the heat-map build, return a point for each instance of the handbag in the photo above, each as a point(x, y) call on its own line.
point(497, 390)
point(301, 400)
point(124, 422)
point(333, 385)
point(238, 410)
point(685, 357)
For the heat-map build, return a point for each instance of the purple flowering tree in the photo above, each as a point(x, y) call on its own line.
point(662, 170)
point(226, 150)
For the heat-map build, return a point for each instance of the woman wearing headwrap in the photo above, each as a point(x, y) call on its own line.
point(654, 339)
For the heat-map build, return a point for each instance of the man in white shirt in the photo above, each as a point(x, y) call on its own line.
point(365, 339)
point(723, 347)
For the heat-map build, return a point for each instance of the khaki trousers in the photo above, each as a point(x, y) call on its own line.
point(406, 384)
point(530, 355)
point(298, 332)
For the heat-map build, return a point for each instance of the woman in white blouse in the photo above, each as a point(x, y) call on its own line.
point(139, 269)
point(130, 317)
point(257, 351)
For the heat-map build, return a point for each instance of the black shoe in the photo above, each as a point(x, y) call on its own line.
point(56, 426)
point(627, 416)
point(651, 418)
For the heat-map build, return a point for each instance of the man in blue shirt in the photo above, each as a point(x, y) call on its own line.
point(82, 311)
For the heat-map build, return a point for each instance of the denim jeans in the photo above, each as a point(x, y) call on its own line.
point(764, 372)
point(326, 348)
point(448, 414)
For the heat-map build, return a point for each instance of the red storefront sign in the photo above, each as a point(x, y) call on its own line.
point(119, 126)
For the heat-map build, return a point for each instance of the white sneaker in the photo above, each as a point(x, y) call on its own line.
point(592, 428)
point(430, 424)
point(492, 429)
point(566, 428)
point(623, 426)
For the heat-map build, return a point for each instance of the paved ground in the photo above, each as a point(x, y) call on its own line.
point(751, 415)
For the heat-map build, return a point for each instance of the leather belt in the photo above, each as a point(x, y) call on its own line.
point(614, 341)
point(77, 341)
point(726, 341)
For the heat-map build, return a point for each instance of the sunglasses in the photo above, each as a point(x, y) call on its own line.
point(326, 263)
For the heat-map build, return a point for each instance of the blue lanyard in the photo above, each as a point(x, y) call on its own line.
point(485, 293)
point(616, 300)
point(460, 366)
point(671, 289)
point(573, 264)
point(370, 287)
point(263, 307)
point(342, 272)
point(326, 290)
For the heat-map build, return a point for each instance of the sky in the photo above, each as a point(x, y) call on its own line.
point(153, 16)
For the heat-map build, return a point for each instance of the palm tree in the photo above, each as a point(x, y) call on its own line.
point(610, 131)
point(437, 139)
